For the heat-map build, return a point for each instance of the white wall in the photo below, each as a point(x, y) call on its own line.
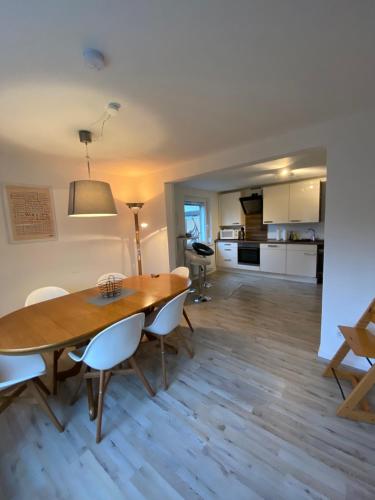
point(301, 229)
point(85, 248)
point(349, 281)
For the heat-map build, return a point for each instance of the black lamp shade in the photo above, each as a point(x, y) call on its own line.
point(91, 199)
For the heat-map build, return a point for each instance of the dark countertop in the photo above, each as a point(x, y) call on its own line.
point(289, 242)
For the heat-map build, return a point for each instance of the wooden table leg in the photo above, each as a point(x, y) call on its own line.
point(70, 372)
point(78, 388)
point(56, 357)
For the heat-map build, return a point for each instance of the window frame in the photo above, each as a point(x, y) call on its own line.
point(204, 202)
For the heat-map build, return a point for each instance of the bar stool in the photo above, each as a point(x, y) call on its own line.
point(200, 256)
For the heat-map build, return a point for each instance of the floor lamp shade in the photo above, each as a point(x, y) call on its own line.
point(91, 199)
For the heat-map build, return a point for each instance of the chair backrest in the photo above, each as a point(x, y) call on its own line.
point(115, 344)
point(169, 316)
point(181, 271)
point(105, 276)
point(44, 293)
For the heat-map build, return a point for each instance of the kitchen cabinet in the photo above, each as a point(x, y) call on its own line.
point(276, 204)
point(231, 213)
point(301, 260)
point(304, 201)
point(273, 258)
point(226, 254)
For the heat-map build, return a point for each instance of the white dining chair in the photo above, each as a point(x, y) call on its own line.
point(105, 352)
point(41, 295)
point(20, 372)
point(166, 322)
point(44, 293)
point(184, 272)
point(105, 276)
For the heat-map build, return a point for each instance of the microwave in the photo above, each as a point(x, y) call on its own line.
point(229, 234)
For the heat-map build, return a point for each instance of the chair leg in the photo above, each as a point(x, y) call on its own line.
point(43, 403)
point(188, 320)
point(100, 406)
point(347, 407)
point(336, 360)
point(184, 342)
point(141, 375)
point(42, 386)
point(7, 400)
point(90, 398)
point(163, 365)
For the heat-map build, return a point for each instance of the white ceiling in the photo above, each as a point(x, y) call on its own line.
point(193, 76)
point(302, 165)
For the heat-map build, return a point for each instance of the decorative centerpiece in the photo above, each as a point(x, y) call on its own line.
point(110, 286)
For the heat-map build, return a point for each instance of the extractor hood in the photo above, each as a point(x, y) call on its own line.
point(252, 204)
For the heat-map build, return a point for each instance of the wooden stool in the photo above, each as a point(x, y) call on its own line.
point(361, 341)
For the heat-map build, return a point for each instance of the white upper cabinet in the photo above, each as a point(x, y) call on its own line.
point(231, 213)
point(276, 204)
point(304, 201)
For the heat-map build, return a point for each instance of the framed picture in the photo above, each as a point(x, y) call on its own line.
point(30, 213)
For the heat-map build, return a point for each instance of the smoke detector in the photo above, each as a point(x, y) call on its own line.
point(94, 59)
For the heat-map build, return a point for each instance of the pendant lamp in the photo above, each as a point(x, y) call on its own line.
point(88, 198)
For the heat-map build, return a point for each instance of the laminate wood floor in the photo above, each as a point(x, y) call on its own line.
point(248, 417)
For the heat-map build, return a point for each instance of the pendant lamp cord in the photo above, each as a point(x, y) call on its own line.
point(88, 161)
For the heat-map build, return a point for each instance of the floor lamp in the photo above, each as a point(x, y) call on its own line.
point(135, 208)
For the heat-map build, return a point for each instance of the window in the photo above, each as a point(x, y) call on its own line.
point(196, 220)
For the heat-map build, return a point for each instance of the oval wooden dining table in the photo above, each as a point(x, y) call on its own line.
point(75, 318)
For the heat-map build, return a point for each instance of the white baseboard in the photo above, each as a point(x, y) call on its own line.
point(325, 361)
point(287, 277)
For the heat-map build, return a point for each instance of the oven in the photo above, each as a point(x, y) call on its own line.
point(248, 253)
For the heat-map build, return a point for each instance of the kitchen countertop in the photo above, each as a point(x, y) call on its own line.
point(289, 242)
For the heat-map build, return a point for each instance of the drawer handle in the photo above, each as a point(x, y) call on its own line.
point(272, 246)
point(227, 250)
point(312, 254)
point(268, 221)
point(227, 260)
point(227, 244)
point(295, 220)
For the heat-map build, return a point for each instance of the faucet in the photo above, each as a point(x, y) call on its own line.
point(313, 231)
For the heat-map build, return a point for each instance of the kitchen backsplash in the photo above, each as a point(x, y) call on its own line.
point(301, 229)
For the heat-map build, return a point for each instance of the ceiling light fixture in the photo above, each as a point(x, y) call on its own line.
point(94, 59)
point(284, 172)
point(88, 198)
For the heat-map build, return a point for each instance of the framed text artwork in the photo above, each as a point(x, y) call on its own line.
point(30, 213)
